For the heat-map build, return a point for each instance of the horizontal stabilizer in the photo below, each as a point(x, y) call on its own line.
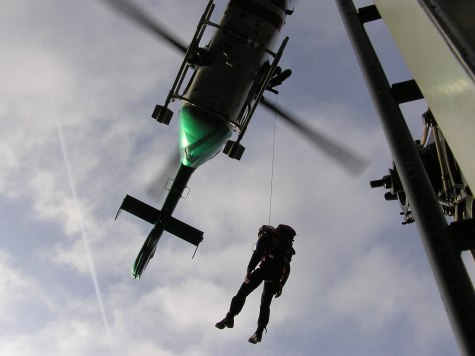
point(184, 231)
point(151, 215)
point(139, 209)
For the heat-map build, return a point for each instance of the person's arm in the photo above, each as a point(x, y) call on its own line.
point(262, 243)
point(285, 275)
point(283, 280)
point(256, 256)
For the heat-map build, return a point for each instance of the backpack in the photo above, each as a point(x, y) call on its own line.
point(282, 243)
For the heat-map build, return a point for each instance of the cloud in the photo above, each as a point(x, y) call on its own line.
point(24, 305)
point(12, 284)
point(352, 277)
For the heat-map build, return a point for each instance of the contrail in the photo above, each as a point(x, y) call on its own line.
point(79, 218)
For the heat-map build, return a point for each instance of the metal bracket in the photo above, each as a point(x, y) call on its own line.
point(233, 149)
point(162, 113)
point(250, 106)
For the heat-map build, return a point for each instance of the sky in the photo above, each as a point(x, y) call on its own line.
point(78, 86)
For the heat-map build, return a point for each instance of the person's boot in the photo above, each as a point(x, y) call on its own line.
point(227, 322)
point(257, 337)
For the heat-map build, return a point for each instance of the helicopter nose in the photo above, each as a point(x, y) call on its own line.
point(201, 136)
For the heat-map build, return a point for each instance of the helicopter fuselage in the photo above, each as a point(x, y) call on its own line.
point(221, 88)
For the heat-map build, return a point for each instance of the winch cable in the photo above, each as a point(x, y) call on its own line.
point(272, 166)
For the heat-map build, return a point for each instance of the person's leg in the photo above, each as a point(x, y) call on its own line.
point(238, 301)
point(264, 313)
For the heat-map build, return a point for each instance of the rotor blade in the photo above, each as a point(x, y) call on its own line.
point(349, 160)
point(137, 14)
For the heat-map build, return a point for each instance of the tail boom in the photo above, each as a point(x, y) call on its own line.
point(162, 220)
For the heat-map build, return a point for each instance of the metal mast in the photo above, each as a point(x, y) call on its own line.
point(453, 282)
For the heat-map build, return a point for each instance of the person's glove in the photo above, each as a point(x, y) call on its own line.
point(278, 292)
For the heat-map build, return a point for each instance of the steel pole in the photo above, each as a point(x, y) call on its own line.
point(452, 279)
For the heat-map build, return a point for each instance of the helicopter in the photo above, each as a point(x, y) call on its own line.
point(229, 76)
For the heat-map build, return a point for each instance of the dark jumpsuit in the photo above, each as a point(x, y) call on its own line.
point(273, 270)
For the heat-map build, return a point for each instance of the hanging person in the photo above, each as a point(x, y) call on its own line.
point(273, 253)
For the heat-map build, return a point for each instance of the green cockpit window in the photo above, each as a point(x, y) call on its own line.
point(201, 136)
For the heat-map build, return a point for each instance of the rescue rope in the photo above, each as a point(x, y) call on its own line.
point(272, 166)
